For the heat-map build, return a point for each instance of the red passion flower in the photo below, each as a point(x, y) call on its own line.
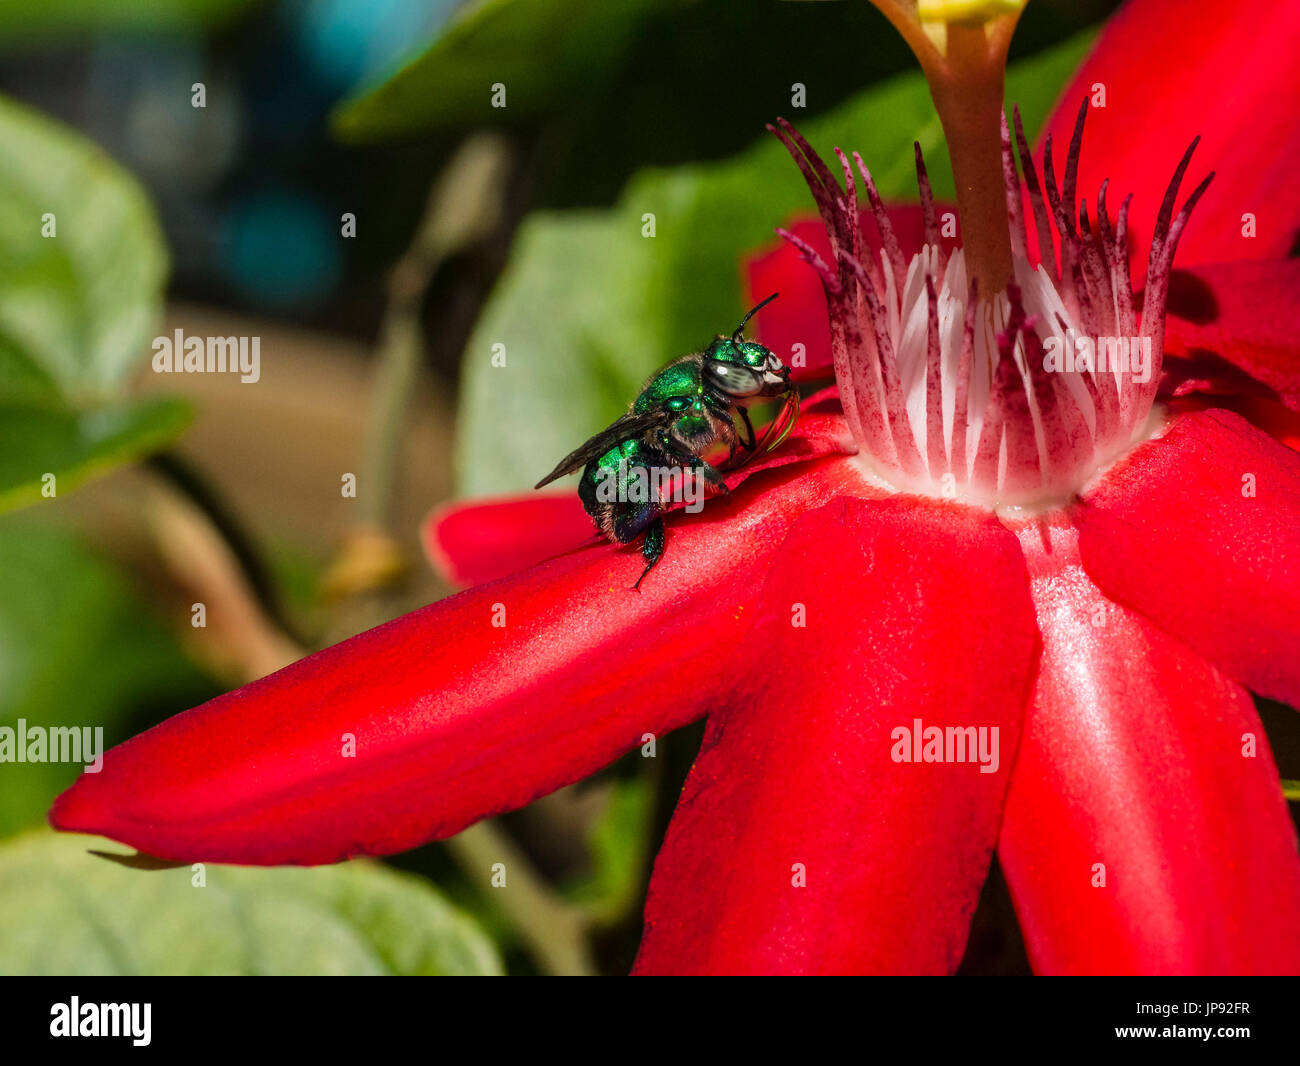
point(1005, 587)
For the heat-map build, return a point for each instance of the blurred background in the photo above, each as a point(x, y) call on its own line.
point(337, 179)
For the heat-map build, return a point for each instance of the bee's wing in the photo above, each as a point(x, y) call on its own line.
point(630, 425)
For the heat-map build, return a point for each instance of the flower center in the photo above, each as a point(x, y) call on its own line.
point(1008, 398)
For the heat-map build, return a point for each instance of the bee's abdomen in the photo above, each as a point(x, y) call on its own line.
point(614, 490)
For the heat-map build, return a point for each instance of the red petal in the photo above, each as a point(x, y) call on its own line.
point(1239, 316)
point(1280, 423)
point(1133, 759)
point(913, 609)
point(469, 543)
point(454, 718)
point(1170, 532)
point(1172, 70)
point(797, 324)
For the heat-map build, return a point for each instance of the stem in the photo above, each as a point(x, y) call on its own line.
point(240, 639)
point(968, 95)
point(554, 931)
point(464, 204)
point(186, 482)
point(402, 350)
point(902, 16)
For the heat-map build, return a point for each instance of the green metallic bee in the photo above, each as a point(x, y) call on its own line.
point(678, 428)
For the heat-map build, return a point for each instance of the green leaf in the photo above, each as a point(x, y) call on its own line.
point(68, 912)
point(82, 269)
point(570, 349)
point(77, 649)
point(498, 41)
point(23, 21)
point(588, 307)
point(75, 446)
point(77, 309)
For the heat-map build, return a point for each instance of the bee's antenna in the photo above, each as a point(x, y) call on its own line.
point(735, 337)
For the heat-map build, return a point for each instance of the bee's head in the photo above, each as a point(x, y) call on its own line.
point(744, 369)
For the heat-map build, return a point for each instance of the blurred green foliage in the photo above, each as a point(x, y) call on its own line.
point(580, 44)
point(67, 912)
point(23, 21)
point(81, 286)
point(608, 89)
point(620, 859)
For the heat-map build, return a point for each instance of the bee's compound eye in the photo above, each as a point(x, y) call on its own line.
point(734, 380)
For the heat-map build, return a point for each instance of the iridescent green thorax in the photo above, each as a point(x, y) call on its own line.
point(678, 380)
point(678, 388)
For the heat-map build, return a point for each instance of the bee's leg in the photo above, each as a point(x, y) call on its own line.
point(652, 549)
point(752, 443)
point(711, 474)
